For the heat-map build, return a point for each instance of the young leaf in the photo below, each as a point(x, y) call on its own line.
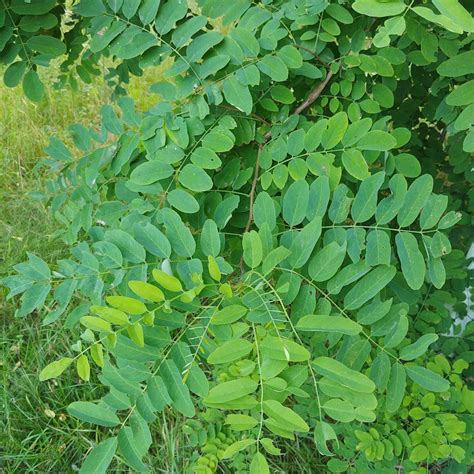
point(83, 367)
point(340, 410)
point(427, 379)
point(135, 331)
point(236, 447)
point(55, 369)
point(240, 422)
point(213, 268)
point(97, 354)
point(126, 304)
point(230, 351)
point(146, 291)
point(168, 282)
point(259, 464)
point(112, 315)
point(270, 448)
point(336, 128)
point(96, 324)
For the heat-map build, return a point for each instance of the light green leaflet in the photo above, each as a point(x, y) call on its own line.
point(412, 261)
point(228, 391)
point(238, 95)
point(355, 164)
point(264, 210)
point(368, 286)
point(336, 128)
point(230, 351)
point(195, 178)
point(418, 348)
point(415, 199)
point(327, 261)
point(93, 413)
point(99, 459)
point(340, 410)
point(284, 415)
point(342, 374)
point(295, 203)
point(378, 248)
point(396, 387)
point(365, 201)
point(322, 323)
point(252, 249)
point(427, 379)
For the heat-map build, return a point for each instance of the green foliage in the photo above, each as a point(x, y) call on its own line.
point(268, 250)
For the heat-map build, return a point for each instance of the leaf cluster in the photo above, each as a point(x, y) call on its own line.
point(270, 249)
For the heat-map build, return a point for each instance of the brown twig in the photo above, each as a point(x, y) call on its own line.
point(253, 188)
point(315, 93)
point(316, 56)
point(235, 109)
point(303, 106)
point(252, 198)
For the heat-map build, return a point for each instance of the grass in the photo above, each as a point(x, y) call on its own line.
point(36, 434)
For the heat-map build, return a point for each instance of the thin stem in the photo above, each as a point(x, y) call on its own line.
point(253, 189)
point(259, 365)
point(316, 92)
point(316, 56)
point(293, 329)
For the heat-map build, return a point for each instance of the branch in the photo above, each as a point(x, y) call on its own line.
point(253, 189)
point(314, 94)
point(252, 198)
point(303, 106)
point(316, 56)
point(234, 109)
